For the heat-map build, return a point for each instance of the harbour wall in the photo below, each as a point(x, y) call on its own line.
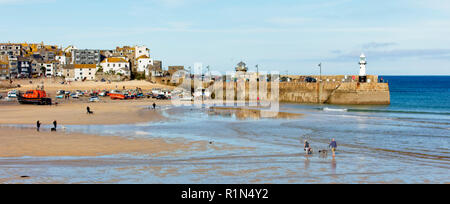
point(331, 91)
point(348, 93)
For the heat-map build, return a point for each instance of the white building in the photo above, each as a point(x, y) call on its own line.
point(62, 59)
point(50, 69)
point(141, 51)
point(116, 65)
point(143, 64)
point(85, 72)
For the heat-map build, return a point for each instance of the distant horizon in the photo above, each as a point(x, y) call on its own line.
point(283, 35)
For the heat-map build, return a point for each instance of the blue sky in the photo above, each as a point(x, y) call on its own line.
point(401, 37)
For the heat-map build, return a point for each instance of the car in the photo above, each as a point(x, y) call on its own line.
point(74, 95)
point(162, 97)
point(13, 94)
point(60, 96)
point(103, 94)
point(94, 99)
point(60, 92)
point(310, 80)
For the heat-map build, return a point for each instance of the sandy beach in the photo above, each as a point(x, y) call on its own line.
point(113, 112)
point(20, 142)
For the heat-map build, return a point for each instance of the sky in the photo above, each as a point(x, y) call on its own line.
point(401, 37)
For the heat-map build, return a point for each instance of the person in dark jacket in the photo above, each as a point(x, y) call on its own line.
point(154, 106)
point(55, 124)
point(307, 147)
point(333, 146)
point(38, 125)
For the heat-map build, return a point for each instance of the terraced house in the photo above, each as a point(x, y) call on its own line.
point(84, 72)
point(116, 65)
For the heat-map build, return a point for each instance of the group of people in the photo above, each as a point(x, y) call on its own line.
point(332, 145)
point(38, 125)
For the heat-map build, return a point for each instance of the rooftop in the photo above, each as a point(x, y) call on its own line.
point(85, 66)
point(114, 60)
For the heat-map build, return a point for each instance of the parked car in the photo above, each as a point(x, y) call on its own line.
point(310, 80)
point(162, 97)
point(60, 92)
point(94, 99)
point(60, 96)
point(13, 94)
point(74, 95)
point(103, 94)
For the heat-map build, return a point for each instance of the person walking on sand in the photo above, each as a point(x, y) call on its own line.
point(154, 106)
point(38, 125)
point(88, 110)
point(55, 124)
point(333, 146)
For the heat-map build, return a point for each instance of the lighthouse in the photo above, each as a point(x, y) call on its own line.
point(362, 69)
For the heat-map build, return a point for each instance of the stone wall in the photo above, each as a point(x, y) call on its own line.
point(351, 93)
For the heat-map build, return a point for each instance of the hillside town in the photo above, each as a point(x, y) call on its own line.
point(35, 60)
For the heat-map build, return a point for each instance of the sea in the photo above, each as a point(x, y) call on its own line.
point(405, 142)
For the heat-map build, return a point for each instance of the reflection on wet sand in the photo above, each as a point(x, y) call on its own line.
point(248, 114)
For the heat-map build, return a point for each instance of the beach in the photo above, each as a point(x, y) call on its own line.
point(75, 113)
point(27, 142)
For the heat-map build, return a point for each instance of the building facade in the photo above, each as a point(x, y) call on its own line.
point(10, 49)
point(143, 64)
point(116, 65)
point(86, 56)
point(83, 72)
point(24, 67)
point(4, 70)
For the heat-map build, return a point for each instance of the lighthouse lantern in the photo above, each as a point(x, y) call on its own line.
point(362, 69)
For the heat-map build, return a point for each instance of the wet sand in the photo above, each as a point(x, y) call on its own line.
point(20, 142)
point(245, 113)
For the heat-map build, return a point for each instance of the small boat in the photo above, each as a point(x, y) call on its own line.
point(117, 96)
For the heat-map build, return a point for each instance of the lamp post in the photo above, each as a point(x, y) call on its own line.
point(320, 67)
point(320, 80)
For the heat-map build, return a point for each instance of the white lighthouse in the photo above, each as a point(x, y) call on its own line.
point(362, 69)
